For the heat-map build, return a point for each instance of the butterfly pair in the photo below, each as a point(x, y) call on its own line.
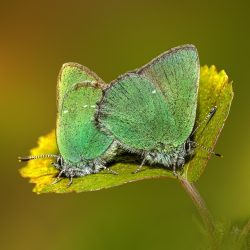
point(150, 111)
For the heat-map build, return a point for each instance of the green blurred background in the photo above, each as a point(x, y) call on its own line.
point(111, 37)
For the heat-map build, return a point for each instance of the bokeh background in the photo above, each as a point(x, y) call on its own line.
point(111, 37)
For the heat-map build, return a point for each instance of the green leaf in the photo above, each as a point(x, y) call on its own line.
point(214, 90)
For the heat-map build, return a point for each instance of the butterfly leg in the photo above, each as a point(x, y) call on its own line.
point(177, 166)
point(174, 171)
point(110, 170)
point(58, 177)
point(139, 168)
point(70, 180)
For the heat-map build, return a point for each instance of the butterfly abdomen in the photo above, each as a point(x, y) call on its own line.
point(173, 158)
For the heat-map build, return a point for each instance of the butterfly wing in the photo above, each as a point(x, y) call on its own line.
point(71, 74)
point(176, 74)
point(155, 104)
point(129, 112)
point(77, 136)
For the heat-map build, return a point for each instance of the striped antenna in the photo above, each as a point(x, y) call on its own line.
point(206, 149)
point(34, 157)
point(207, 119)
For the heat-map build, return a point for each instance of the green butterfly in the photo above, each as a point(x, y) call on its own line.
point(151, 111)
point(83, 148)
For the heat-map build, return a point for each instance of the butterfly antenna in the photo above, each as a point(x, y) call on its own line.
point(34, 157)
point(207, 119)
point(206, 149)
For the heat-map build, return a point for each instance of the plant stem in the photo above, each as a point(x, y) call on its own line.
point(244, 233)
point(202, 209)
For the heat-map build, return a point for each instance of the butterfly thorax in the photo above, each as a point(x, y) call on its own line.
point(81, 168)
point(169, 156)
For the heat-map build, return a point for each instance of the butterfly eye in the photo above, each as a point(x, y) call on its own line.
point(59, 161)
point(189, 147)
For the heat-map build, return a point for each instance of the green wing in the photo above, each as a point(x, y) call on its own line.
point(77, 136)
point(71, 74)
point(156, 104)
point(132, 110)
point(176, 73)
